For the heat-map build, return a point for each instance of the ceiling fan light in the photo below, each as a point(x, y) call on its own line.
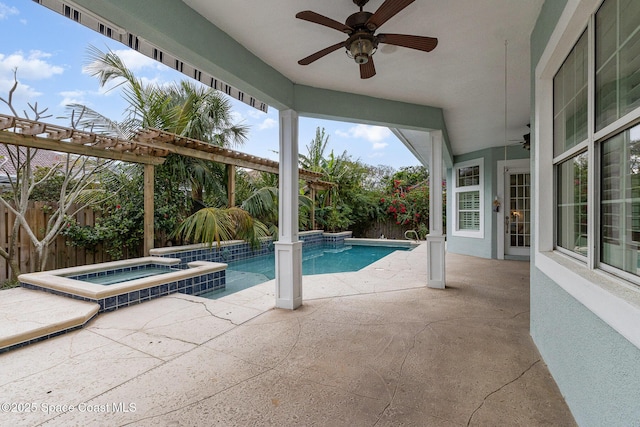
point(360, 50)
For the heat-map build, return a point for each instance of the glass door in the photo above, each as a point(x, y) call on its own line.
point(517, 213)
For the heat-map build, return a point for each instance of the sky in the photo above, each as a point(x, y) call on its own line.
point(49, 52)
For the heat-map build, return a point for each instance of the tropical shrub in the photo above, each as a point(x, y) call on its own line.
point(406, 199)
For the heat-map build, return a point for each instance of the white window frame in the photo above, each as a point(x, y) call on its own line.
point(614, 300)
point(456, 231)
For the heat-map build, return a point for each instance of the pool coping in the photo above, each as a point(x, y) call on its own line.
point(391, 243)
point(31, 324)
point(196, 246)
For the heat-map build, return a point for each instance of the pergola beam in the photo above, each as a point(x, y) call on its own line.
point(198, 154)
point(43, 143)
point(198, 149)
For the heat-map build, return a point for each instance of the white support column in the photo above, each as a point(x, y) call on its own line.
point(288, 248)
point(436, 238)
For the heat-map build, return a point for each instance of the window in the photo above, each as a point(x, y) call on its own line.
point(617, 60)
point(468, 195)
point(572, 204)
point(469, 210)
point(612, 204)
point(620, 211)
point(570, 126)
point(570, 100)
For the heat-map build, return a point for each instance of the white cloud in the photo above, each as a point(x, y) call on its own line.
point(6, 11)
point(369, 133)
point(135, 61)
point(22, 94)
point(155, 81)
point(373, 134)
point(236, 117)
point(73, 93)
point(379, 145)
point(73, 97)
point(255, 114)
point(33, 66)
point(267, 123)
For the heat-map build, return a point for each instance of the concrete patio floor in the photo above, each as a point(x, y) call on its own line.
point(370, 348)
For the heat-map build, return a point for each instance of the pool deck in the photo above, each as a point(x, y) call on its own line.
point(374, 347)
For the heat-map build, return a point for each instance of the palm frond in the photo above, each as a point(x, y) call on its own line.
point(108, 66)
point(90, 120)
point(262, 203)
point(208, 225)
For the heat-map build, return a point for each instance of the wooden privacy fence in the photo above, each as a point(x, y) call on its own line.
point(389, 229)
point(60, 254)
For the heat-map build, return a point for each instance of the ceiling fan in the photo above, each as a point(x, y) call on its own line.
point(362, 41)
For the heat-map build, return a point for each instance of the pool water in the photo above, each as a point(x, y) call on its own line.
point(318, 260)
point(125, 276)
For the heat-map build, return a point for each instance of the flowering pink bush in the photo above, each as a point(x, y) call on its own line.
point(407, 205)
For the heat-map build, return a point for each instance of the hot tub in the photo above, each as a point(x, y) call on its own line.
point(119, 284)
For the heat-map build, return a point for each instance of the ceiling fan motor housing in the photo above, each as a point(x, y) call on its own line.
point(358, 20)
point(360, 47)
point(361, 43)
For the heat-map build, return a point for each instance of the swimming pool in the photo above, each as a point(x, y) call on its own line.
point(315, 260)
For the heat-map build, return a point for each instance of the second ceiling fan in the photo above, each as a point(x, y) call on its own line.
point(362, 41)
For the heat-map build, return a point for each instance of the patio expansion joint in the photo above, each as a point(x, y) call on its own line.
point(500, 388)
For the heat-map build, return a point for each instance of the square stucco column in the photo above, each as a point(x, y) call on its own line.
point(436, 238)
point(288, 248)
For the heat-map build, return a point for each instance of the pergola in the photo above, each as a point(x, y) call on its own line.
point(149, 147)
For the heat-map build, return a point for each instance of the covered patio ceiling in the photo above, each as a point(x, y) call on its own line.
point(255, 46)
point(463, 75)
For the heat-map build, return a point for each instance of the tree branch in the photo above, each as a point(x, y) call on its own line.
point(11, 92)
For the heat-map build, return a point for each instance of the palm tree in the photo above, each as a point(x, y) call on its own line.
point(186, 108)
point(262, 202)
point(345, 173)
point(314, 160)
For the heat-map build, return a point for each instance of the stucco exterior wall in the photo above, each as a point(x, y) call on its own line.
point(596, 368)
point(485, 247)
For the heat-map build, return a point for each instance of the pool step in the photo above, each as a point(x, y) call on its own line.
point(28, 316)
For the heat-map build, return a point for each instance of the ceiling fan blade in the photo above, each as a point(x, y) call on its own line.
point(316, 18)
point(367, 70)
point(385, 12)
point(426, 44)
point(319, 54)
